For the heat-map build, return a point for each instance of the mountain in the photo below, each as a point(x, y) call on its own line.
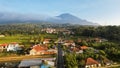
point(8, 18)
point(69, 18)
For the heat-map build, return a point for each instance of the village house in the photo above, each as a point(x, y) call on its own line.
point(37, 63)
point(30, 63)
point(97, 40)
point(79, 40)
point(79, 49)
point(3, 47)
point(42, 50)
point(2, 35)
point(13, 47)
point(49, 30)
point(69, 43)
point(91, 63)
point(10, 47)
point(46, 41)
point(75, 49)
point(38, 50)
point(67, 32)
point(83, 47)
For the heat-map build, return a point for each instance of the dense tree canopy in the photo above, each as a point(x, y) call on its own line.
point(108, 32)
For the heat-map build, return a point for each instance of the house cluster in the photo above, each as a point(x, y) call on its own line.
point(46, 41)
point(49, 30)
point(53, 30)
point(38, 49)
point(42, 49)
point(89, 62)
point(11, 47)
point(70, 44)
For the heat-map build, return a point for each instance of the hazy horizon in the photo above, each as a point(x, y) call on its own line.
point(103, 12)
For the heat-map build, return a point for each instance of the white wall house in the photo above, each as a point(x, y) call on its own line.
point(3, 47)
point(13, 47)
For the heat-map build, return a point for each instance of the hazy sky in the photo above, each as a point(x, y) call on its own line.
point(105, 12)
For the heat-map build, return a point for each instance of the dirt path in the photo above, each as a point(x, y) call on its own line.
point(19, 58)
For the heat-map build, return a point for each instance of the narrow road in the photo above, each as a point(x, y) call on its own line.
point(60, 60)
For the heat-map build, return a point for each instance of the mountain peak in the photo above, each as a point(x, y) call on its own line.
point(69, 18)
point(66, 15)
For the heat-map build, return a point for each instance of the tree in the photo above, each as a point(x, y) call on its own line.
point(83, 43)
point(70, 60)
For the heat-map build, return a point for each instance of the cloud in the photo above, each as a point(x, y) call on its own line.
point(23, 17)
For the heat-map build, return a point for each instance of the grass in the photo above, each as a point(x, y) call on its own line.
point(15, 38)
point(51, 36)
point(23, 38)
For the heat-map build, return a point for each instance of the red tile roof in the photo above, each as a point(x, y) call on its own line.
point(7, 44)
point(40, 48)
point(83, 47)
point(46, 40)
point(79, 40)
point(14, 43)
point(75, 49)
point(4, 44)
point(91, 61)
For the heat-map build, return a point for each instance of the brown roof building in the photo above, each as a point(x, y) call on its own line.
point(91, 63)
point(83, 47)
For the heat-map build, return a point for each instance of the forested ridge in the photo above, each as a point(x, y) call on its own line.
point(108, 32)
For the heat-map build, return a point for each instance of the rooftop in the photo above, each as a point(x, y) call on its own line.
point(91, 61)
